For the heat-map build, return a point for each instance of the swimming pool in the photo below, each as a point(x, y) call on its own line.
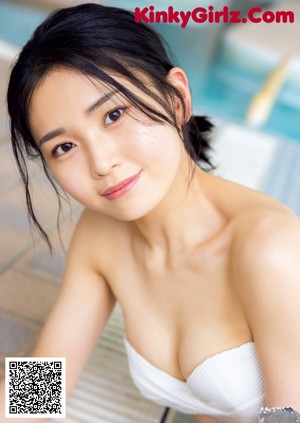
point(212, 94)
point(17, 22)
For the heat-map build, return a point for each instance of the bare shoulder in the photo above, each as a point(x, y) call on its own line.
point(264, 236)
point(94, 237)
point(266, 239)
point(264, 248)
point(265, 272)
point(93, 224)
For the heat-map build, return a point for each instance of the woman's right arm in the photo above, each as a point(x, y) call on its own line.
point(79, 314)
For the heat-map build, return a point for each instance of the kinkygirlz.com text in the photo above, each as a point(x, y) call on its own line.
point(202, 15)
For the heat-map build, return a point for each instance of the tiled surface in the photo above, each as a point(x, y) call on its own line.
point(13, 335)
point(34, 295)
point(30, 277)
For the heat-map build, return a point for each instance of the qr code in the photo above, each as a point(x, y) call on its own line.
point(35, 387)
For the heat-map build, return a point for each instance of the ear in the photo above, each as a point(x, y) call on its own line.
point(179, 80)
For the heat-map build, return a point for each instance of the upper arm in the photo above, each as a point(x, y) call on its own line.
point(269, 269)
point(81, 309)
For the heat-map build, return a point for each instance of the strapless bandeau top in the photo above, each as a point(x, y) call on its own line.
point(228, 385)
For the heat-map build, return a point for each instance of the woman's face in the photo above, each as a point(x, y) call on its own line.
point(100, 149)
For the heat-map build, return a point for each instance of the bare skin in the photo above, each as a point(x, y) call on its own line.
point(195, 259)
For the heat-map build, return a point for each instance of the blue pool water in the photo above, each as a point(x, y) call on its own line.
point(231, 102)
point(18, 22)
point(212, 95)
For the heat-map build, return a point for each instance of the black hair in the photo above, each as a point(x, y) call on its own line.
point(98, 41)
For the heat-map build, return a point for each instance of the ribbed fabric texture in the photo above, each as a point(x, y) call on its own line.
point(228, 384)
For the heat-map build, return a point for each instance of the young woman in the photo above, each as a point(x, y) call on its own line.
point(206, 271)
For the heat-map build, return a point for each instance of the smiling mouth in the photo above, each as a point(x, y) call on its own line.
point(122, 188)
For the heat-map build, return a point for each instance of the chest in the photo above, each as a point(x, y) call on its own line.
point(228, 386)
point(177, 316)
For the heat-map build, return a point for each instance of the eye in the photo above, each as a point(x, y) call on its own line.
point(113, 116)
point(62, 149)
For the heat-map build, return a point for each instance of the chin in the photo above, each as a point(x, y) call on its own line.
point(130, 215)
point(134, 211)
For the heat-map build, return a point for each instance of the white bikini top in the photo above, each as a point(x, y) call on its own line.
point(228, 385)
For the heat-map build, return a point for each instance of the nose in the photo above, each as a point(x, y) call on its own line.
point(103, 157)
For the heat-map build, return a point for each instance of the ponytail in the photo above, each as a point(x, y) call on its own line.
point(196, 134)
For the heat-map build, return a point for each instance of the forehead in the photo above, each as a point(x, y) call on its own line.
point(64, 94)
point(63, 85)
point(68, 85)
point(59, 81)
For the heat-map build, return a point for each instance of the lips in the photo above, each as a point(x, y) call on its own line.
point(122, 187)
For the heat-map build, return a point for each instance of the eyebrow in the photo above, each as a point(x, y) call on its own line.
point(60, 131)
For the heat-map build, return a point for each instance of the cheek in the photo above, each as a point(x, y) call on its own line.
point(73, 183)
point(154, 145)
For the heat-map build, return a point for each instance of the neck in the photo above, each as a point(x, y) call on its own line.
point(185, 218)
